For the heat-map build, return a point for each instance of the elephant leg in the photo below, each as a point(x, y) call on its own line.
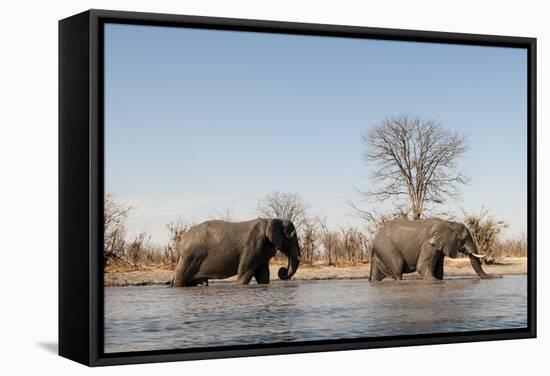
point(390, 262)
point(395, 268)
point(248, 263)
point(426, 263)
point(202, 281)
point(185, 271)
point(245, 277)
point(195, 282)
point(438, 269)
point(181, 273)
point(427, 273)
point(376, 274)
point(262, 274)
point(245, 273)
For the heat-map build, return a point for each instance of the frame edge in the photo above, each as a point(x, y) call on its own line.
point(74, 161)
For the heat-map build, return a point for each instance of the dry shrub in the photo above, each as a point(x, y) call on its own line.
point(176, 231)
point(138, 248)
point(310, 239)
point(485, 230)
point(121, 254)
point(513, 247)
point(345, 247)
point(114, 227)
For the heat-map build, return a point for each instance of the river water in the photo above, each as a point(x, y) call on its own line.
point(157, 317)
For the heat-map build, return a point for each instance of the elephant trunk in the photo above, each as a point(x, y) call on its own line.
point(293, 260)
point(475, 258)
point(288, 272)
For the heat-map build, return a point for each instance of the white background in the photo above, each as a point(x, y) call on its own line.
point(28, 185)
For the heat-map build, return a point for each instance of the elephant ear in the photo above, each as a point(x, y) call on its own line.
point(274, 232)
point(444, 239)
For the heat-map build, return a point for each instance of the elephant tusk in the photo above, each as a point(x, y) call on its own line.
point(477, 255)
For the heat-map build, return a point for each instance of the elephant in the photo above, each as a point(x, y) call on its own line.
point(404, 246)
point(220, 249)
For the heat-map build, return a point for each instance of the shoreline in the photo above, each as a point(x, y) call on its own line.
point(162, 275)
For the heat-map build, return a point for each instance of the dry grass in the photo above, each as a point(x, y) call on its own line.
point(513, 247)
point(121, 265)
point(453, 267)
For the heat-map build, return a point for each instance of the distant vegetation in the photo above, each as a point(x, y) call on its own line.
point(485, 230)
point(346, 246)
point(413, 163)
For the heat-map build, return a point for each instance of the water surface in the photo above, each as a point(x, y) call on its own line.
point(157, 317)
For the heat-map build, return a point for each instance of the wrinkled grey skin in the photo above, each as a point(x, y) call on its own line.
point(218, 249)
point(403, 246)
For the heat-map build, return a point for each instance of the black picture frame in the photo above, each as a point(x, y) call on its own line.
point(81, 186)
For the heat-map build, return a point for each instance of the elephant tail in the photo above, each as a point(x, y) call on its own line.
point(371, 259)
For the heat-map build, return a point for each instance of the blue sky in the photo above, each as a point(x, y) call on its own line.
point(200, 121)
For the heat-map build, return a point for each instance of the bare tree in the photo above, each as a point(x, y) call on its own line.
point(226, 214)
point(114, 227)
point(283, 205)
point(414, 158)
point(309, 239)
point(374, 219)
point(176, 230)
point(354, 245)
point(138, 249)
point(331, 243)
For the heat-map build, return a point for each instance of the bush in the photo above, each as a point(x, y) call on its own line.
point(345, 247)
point(513, 247)
point(114, 227)
point(485, 230)
point(176, 230)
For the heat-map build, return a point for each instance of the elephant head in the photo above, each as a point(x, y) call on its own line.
point(451, 238)
point(282, 234)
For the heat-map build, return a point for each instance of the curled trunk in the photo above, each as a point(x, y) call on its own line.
point(292, 251)
point(288, 272)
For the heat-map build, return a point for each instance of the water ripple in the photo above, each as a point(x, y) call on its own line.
point(157, 318)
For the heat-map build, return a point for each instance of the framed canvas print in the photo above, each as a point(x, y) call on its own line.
point(236, 187)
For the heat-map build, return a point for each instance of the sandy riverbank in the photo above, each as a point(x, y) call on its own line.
point(457, 267)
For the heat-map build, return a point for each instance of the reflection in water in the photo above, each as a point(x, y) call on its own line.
point(158, 317)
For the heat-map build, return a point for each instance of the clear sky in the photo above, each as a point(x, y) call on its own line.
point(200, 121)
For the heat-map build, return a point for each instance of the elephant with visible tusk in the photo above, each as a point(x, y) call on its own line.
point(403, 246)
point(219, 249)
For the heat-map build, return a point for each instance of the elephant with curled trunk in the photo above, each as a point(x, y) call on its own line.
point(219, 249)
point(403, 246)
